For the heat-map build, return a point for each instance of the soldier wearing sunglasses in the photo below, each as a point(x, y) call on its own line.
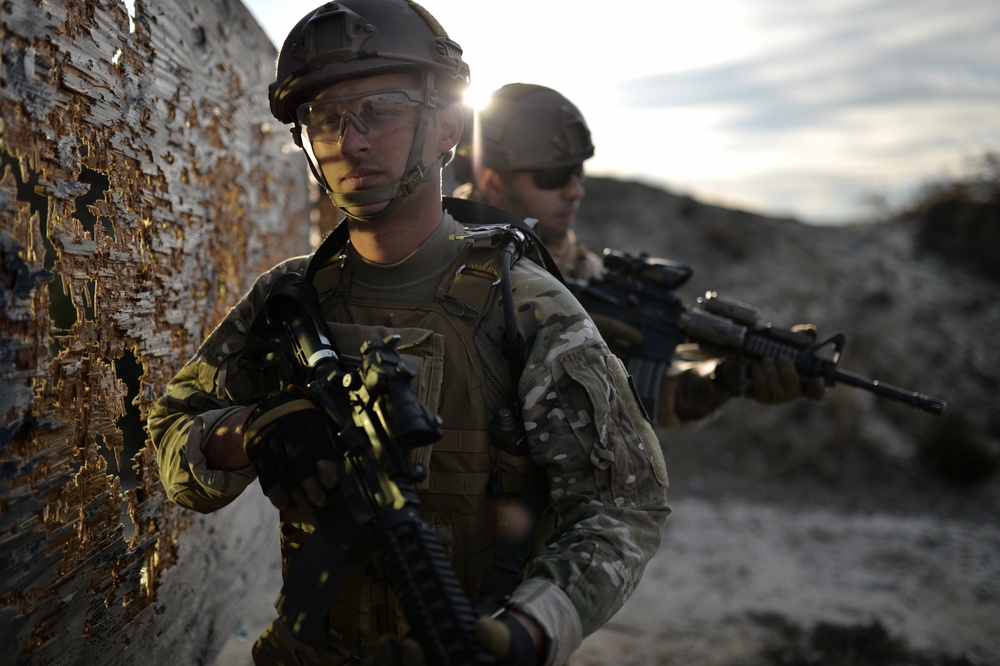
point(533, 145)
point(526, 157)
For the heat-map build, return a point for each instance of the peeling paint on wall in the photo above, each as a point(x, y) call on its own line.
point(143, 185)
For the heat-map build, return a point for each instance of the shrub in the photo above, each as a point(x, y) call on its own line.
point(960, 221)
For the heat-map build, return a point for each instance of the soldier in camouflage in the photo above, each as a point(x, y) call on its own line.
point(528, 157)
point(371, 89)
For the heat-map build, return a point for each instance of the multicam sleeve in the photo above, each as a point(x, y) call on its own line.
point(206, 390)
point(605, 469)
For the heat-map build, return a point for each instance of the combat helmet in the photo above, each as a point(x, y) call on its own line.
point(351, 39)
point(526, 126)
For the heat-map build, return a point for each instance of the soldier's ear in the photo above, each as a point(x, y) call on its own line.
point(492, 186)
point(451, 122)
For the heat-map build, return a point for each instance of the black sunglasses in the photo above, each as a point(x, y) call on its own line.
point(554, 179)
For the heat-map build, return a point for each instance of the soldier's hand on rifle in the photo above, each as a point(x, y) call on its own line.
point(504, 637)
point(510, 640)
point(290, 445)
point(770, 381)
point(621, 337)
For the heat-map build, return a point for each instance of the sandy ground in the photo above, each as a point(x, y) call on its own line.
point(727, 569)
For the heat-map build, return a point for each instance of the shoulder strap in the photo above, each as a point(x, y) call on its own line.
point(513, 552)
point(474, 213)
point(331, 246)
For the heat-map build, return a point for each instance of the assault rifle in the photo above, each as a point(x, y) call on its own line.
point(640, 291)
point(378, 420)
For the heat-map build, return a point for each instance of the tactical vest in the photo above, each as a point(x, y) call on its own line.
point(472, 482)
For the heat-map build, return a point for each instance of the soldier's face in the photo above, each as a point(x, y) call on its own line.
point(555, 208)
point(361, 131)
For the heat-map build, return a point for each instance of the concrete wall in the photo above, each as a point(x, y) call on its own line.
point(143, 185)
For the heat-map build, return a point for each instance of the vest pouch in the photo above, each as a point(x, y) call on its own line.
point(422, 349)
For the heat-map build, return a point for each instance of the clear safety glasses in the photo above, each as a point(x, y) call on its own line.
point(373, 114)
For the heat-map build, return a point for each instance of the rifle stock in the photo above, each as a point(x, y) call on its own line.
point(640, 291)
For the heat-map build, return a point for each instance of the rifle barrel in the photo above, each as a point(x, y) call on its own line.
point(919, 400)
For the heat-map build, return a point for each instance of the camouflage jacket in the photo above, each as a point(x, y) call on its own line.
point(578, 263)
point(584, 426)
point(575, 260)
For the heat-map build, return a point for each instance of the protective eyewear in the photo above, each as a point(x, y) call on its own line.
point(373, 114)
point(557, 178)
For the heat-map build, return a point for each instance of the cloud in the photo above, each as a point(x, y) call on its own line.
point(870, 55)
point(785, 105)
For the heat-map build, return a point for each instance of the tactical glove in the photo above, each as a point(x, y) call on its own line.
point(696, 396)
point(290, 444)
point(507, 639)
point(504, 637)
point(621, 337)
point(770, 381)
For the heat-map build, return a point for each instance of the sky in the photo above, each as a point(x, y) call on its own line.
point(811, 109)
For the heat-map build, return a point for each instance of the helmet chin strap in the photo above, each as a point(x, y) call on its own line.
point(394, 193)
